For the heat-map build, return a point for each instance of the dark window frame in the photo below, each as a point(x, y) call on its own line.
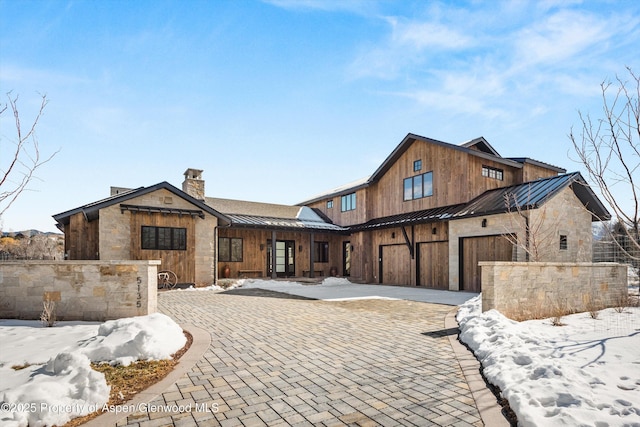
point(348, 202)
point(330, 204)
point(417, 165)
point(230, 249)
point(564, 242)
point(321, 252)
point(493, 173)
point(417, 186)
point(163, 238)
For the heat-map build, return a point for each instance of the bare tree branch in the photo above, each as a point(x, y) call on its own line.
point(609, 149)
point(24, 158)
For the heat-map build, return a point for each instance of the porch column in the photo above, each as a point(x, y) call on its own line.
point(274, 274)
point(312, 254)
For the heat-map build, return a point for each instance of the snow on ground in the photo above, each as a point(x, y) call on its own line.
point(259, 283)
point(585, 373)
point(57, 382)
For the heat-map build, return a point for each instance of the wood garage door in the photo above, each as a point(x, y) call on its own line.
point(476, 249)
point(395, 265)
point(433, 265)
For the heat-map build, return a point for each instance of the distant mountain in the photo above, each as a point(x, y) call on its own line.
point(30, 233)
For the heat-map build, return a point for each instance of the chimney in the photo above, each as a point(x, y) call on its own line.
point(193, 183)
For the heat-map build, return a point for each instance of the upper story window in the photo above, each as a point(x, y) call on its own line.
point(564, 244)
point(494, 173)
point(418, 186)
point(348, 202)
point(417, 165)
point(329, 204)
point(165, 238)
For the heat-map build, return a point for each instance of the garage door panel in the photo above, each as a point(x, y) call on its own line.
point(434, 265)
point(477, 249)
point(396, 265)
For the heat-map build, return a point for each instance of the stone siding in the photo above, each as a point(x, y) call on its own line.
point(528, 290)
point(82, 290)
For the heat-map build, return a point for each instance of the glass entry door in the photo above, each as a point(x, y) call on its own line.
point(285, 258)
point(346, 259)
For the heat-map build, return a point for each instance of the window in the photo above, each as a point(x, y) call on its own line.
point(418, 186)
point(230, 249)
point(417, 165)
point(494, 173)
point(321, 252)
point(164, 238)
point(348, 202)
point(563, 243)
point(330, 204)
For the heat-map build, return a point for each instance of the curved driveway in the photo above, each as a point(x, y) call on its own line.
point(280, 360)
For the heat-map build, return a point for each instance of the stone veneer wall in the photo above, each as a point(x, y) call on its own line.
point(536, 290)
point(82, 290)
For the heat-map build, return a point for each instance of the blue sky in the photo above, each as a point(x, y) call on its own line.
point(280, 100)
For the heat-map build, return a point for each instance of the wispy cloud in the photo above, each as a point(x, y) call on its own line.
point(357, 6)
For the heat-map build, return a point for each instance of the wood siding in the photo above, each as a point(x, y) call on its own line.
point(395, 265)
point(81, 238)
point(181, 262)
point(254, 252)
point(433, 258)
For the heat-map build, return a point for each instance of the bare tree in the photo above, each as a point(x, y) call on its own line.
point(608, 147)
point(20, 158)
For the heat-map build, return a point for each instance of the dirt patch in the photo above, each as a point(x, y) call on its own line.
point(127, 381)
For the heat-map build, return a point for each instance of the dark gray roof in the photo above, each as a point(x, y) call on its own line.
point(91, 210)
point(532, 195)
point(428, 215)
point(291, 224)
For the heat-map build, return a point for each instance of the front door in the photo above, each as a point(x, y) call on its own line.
point(285, 258)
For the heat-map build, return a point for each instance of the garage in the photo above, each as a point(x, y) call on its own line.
point(395, 265)
point(433, 265)
point(476, 249)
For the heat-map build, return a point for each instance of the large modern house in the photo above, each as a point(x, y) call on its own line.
point(425, 217)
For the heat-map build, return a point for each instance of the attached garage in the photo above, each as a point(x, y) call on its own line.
point(483, 248)
point(433, 264)
point(395, 265)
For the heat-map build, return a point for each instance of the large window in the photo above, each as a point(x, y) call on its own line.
point(348, 202)
point(166, 238)
point(418, 186)
point(229, 249)
point(321, 252)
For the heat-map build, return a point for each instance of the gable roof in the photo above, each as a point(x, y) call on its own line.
point(91, 210)
point(529, 195)
point(482, 145)
point(532, 195)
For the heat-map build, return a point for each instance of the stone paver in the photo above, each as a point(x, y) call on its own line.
point(296, 362)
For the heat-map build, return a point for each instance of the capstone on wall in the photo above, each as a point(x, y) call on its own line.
point(81, 290)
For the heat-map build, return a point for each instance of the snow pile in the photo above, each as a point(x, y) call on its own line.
point(583, 373)
point(123, 341)
point(335, 281)
point(65, 387)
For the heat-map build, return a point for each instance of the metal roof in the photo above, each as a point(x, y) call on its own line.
point(532, 195)
point(296, 224)
point(427, 215)
point(91, 210)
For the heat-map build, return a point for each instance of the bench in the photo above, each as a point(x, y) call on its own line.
point(258, 273)
point(320, 273)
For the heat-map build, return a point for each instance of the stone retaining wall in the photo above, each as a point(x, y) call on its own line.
point(81, 290)
point(535, 290)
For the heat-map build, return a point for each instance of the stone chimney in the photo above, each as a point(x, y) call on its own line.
point(193, 183)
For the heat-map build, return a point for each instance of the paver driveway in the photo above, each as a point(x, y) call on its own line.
point(288, 361)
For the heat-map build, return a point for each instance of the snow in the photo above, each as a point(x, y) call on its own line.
point(58, 383)
point(585, 373)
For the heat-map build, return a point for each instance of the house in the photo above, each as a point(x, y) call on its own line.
point(425, 217)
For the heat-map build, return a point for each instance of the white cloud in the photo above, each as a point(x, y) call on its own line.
point(422, 35)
